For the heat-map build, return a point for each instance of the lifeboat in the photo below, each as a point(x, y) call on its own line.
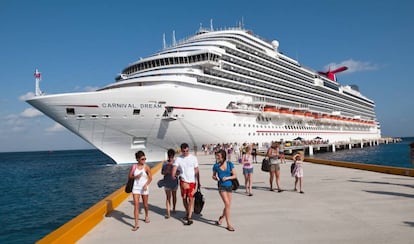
point(325, 117)
point(316, 116)
point(308, 116)
point(298, 113)
point(270, 111)
point(285, 113)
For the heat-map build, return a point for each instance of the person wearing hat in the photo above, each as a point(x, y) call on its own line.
point(297, 171)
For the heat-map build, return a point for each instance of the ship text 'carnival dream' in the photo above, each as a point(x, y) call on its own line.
point(218, 86)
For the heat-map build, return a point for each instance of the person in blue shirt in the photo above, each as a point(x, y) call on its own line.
point(223, 173)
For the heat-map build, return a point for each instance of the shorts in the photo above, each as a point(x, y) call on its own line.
point(225, 188)
point(187, 192)
point(140, 191)
point(274, 167)
point(247, 171)
point(171, 189)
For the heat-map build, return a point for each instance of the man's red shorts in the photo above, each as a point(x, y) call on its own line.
point(187, 189)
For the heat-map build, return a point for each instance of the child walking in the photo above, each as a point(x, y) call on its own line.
point(298, 170)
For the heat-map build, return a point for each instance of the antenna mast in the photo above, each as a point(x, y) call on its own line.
point(174, 41)
point(37, 76)
point(164, 43)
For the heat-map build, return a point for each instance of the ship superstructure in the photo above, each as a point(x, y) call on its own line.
point(218, 86)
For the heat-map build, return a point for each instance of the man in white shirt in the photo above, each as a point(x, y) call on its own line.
point(187, 164)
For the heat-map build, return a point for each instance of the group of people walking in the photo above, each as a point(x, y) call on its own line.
point(183, 171)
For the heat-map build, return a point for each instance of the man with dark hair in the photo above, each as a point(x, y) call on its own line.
point(187, 164)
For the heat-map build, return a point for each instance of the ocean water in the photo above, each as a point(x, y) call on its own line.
point(43, 190)
point(393, 154)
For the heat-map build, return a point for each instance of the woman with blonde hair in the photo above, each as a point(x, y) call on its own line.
point(273, 155)
point(247, 162)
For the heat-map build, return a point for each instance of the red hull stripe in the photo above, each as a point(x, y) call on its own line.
point(80, 106)
point(213, 110)
point(314, 132)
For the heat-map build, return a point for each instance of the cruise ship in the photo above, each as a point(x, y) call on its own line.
point(217, 86)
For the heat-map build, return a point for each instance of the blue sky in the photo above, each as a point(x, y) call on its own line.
point(83, 45)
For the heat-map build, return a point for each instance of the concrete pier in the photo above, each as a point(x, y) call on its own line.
point(340, 205)
point(319, 146)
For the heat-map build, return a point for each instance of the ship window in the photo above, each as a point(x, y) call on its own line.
point(70, 111)
point(136, 111)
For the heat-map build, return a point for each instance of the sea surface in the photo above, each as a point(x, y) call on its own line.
point(41, 191)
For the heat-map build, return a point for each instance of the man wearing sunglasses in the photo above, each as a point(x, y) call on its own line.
point(187, 164)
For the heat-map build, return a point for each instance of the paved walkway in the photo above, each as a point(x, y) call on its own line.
point(340, 205)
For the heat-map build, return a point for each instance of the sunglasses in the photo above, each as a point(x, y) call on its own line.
point(143, 159)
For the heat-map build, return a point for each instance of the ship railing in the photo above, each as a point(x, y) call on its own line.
point(243, 106)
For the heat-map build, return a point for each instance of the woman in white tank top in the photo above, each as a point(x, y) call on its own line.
point(143, 177)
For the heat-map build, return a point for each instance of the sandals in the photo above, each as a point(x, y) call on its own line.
point(189, 222)
point(220, 220)
point(147, 220)
point(135, 228)
point(230, 228)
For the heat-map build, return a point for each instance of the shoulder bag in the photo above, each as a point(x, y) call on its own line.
point(234, 182)
point(130, 184)
point(266, 164)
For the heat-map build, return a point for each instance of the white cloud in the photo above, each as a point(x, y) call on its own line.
point(26, 96)
point(30, 113)
point(13, 123)
point(56, 128)
point(353, 66)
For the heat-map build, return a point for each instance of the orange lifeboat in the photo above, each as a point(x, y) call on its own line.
point(284, 112)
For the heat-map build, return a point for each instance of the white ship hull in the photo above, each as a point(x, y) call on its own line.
point(162, 111)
